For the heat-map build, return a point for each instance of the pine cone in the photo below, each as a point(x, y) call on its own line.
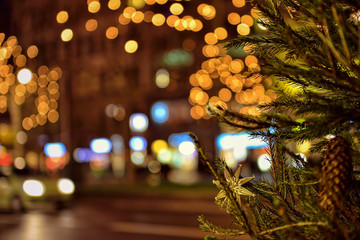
point(336, 174)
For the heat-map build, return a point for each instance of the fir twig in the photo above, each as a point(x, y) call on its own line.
point(299, 224)
point(238, 213)
point(210, 227)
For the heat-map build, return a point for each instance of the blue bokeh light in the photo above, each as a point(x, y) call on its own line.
point(176, 138)
point(82, 154)
point(54, 150)
point(138, 143)
point(160, 112)
point(226, 141)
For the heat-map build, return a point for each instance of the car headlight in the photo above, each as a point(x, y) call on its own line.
point(34, 188)
point(66, 186)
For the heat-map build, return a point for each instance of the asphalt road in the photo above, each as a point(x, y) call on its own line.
point(122, 217)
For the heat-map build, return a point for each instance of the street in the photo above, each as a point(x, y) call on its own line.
point(128, 217)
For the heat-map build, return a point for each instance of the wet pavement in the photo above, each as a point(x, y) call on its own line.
point(121, 217)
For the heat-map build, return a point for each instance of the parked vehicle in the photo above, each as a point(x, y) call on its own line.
point(21, 192)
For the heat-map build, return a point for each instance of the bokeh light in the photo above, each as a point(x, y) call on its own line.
point(101, 145)
point(160, 112)
point(162, 79)
point(137, 17)
point(176, 8)
point(114, 4)
point(239, 3)
point(112, 32)
point(207, 11)
point(55, 149)
point(221, 33)
point(117, 112)
point(138, 122)
point(158, 19)
point(164, 156)
point(62, 17)
point(150, 2)
point(154, 166)
point(247, 19)
point(19, 163)
point(234, 18)
point(138, 158)
point(138, 143)
point(264, 163)
point(176, 139)
point(67, 35)
point(131, 46)
point(240, 153)
point(243, 29)
point(33, 188)
point(210, 38)
point(24, 76)
point(161, 2)
point(21, 137)
point(82, 155)
point(158, 145)
point(224, 141)
point(187, 148)
point(94, 7)
point(129, 11)
point(66, 186)
point(32, 51)
point(91, 25)
point(137, 3)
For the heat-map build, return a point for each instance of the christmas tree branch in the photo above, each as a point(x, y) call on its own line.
point(311, 52)
point(299, 224)
point(210, 227)
point(238, 213)
point(301, 184)
point(341, 33)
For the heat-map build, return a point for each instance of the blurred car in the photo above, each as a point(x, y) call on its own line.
point(19, 193)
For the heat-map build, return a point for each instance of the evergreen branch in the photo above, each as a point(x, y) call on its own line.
point(260, 221)
point(210, 227)
point(239, 214)
point(295, 41)
point(264, 191)
point(272, 158)
point(240, 41)
point(299, 224)
point(235, 120)
point(341, 33)
point(312, 78)
point(328, 42)
point(296, 157)
point(301, 184)
point(313, 58)
point(299, 8)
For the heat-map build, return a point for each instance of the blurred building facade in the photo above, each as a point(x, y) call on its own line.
point(103, 83)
